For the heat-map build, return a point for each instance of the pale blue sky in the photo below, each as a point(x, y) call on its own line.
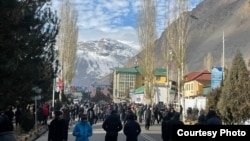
point(115, 19)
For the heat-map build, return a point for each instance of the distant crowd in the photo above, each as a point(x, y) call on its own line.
point(114, 117)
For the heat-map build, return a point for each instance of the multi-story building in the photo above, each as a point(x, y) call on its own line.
point(197, 85)
point(196, 82)
point(124, 81)
point(127, 81)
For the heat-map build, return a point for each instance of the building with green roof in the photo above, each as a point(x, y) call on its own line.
point(128, 81)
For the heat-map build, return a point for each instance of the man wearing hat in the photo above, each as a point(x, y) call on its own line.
point(83, 129)
point(58, 130)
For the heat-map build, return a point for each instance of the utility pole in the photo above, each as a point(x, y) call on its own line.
point(223, 56)
point(167, 77)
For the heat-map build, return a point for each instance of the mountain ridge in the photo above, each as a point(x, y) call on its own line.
point(95, 59)
point(211, 19)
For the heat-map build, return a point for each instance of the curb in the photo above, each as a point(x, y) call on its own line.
point(33, 135)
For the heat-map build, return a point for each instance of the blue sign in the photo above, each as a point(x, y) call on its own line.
point(216, 77)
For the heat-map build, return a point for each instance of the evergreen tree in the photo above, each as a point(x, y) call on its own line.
point(243, 102)
point(234, 102)
point(27, 39)
point(213, 98)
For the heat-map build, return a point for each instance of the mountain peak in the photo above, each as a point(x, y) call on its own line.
point(96, 59)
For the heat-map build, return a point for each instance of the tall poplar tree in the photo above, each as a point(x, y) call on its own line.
point(67, 43)
point(176, 38)
point(146, 31)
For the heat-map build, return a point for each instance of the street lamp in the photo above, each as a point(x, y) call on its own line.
point(169, 58)
point(37, 91)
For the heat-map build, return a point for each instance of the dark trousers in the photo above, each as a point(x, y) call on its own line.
point(147, 124)
point(111, 137)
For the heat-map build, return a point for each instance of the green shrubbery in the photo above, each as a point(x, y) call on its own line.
point(27, 122)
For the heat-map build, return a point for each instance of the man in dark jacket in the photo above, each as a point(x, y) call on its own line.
point(131, 128)
point(58, 130)
point(168, 125)
point(148, 115)
point(212, 118)
point(112, 125)
point(6, 128)
point(129, 113)
point(91, 115)
point(164, 126)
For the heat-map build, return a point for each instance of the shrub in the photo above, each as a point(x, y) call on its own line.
point(27, 121)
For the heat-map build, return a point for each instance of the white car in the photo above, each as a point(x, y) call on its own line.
point(76, 101)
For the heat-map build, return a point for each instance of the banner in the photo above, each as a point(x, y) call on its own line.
point(58, 84)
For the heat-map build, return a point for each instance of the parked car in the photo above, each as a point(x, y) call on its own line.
point(76, 101)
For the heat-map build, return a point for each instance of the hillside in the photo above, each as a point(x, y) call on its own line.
point(214, 17)
point(206, 33)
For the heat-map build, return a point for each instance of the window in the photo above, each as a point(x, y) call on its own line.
point(158, 78)
point(127, 81)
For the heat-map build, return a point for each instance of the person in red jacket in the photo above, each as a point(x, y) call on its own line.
point(45, 113)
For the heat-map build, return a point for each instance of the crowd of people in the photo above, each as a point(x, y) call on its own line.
point(114, 117)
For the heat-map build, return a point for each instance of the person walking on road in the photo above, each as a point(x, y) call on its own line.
point(148, 115)
point(167, 126)
point(58, 130)
point(131, 128)
point(91, 116)
point(112, 125)
point(83, 130)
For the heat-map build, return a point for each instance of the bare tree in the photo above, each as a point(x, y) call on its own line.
point(67, 42)
point(177, 36)
point(146, 30)
point(208, 61)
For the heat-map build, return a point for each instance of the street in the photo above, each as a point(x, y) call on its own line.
point(153, 134)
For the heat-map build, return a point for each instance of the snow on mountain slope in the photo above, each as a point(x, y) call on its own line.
point(96, 59)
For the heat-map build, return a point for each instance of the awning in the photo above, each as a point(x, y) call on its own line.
point(140, 90)
point(172, 91)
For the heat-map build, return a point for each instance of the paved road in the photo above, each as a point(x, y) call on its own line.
point(154, 134)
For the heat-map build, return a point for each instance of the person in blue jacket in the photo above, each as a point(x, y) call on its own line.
point(83, 130)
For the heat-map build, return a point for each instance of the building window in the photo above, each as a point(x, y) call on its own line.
point(158, 78)
point(127, 81)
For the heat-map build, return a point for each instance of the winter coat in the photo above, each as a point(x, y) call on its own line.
point(167, 126)
point(58, 130)
point(148, 114)
point(6, 129)
point(213, 119)
point(129, 113)
point(7, 136)
point(112, 124)
point(5, 124)
point(131, 129)
point(201, 120)
point(82, 131)
point(91, 115)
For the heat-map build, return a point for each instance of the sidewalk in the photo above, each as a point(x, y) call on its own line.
point(31, 135)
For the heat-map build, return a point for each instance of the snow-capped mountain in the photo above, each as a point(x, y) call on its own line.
point(96, 59)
